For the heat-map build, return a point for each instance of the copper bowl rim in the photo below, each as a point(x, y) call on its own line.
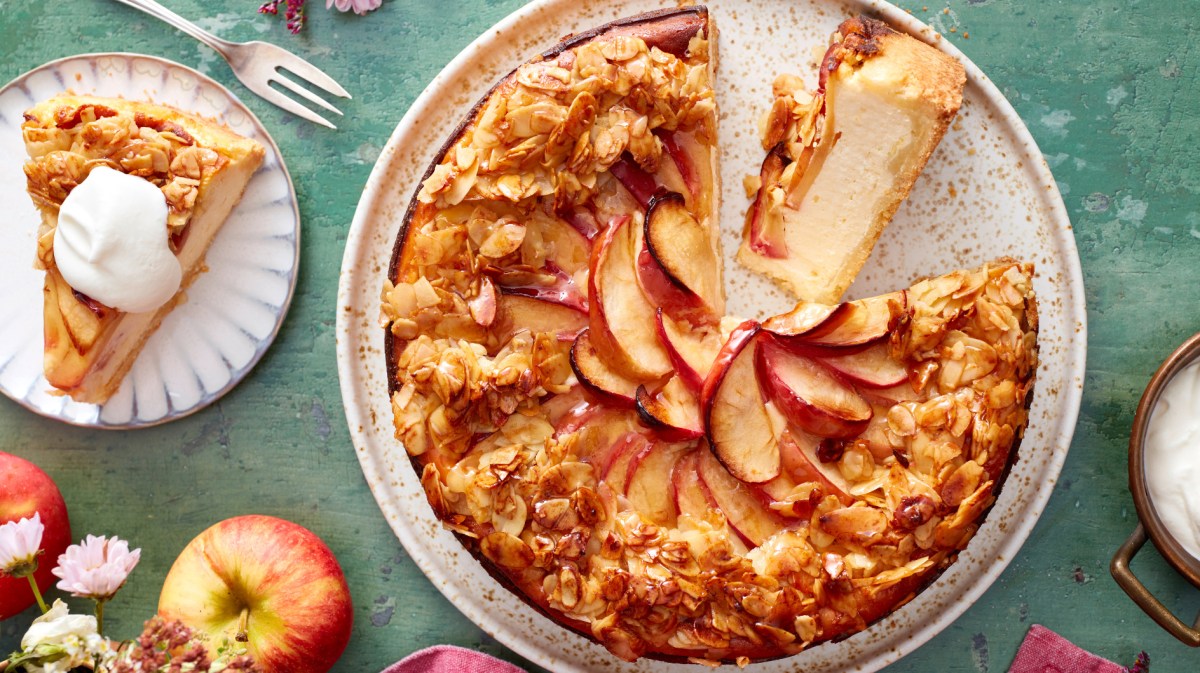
point(1171, 550)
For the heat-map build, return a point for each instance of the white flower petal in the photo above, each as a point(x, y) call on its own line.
point(56, 626)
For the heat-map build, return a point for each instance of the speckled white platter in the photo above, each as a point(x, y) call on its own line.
point(986, 193)
point(232, 311)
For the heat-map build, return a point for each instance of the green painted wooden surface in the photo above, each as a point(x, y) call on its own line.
point(1108, 88)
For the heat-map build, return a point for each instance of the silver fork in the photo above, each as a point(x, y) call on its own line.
point(257, 64)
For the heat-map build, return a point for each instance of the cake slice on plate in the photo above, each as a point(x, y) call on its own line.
point(152, 186)
point(843, 159)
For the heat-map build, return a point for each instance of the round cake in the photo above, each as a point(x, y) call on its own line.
point(668, 480)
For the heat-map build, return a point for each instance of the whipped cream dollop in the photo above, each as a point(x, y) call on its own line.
point(111, 243)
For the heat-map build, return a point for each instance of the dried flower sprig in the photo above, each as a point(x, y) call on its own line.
point(293, 12)
point(1142, 665)
point(170, 646)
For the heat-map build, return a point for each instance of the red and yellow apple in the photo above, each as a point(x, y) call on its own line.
point(25, 490)
point(268, 584)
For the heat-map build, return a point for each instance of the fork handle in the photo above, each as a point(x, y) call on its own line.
point(158, 11)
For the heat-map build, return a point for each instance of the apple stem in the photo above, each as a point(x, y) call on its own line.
point(243, 626)
point(36, 594)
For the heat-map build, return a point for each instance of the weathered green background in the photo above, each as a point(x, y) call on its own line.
point(1108, 88)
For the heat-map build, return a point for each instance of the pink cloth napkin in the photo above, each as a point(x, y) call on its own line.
point(450, 659)
point(1044, 651)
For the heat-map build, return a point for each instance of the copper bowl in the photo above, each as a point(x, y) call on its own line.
point(1149, 523)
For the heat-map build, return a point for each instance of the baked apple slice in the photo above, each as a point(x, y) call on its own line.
point(694, 499)
point(741, 428)
point(873, 368)
point(808, 394)
point(641, 185)
point(798, 454)
point(597, 376)
point(622, 318)
point(692, 348)
point(764, 232)
point(697, 166)
point(622, 460)
point(686, 488)
point(514, 313)
point(673, 412)
point(746, 513)
point(848, 326)
point(844, 159)
point(685, 251)
point(648, 488)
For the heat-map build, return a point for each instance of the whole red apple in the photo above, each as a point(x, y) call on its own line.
point(25, 489)
point(268, 583)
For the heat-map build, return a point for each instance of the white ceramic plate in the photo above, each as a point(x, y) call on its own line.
point(208, 343)
point(986, 193)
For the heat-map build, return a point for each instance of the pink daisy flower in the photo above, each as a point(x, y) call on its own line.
point(20, 543)
point(96, 568)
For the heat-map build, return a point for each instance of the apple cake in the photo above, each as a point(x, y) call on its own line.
point(199, 168)
point(665, 479)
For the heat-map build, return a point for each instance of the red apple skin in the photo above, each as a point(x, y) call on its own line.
point(662, 290)
point(639, 183)
point(737, 340)
point(297, 603)
point(24, 490)
point(682, 161)
point(692, 372)
point(818, 415)
point(563, 291)
point(584, 221)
